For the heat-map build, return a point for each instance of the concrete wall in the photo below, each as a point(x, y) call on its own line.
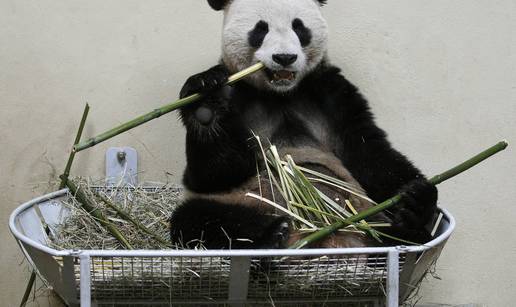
point(440, 75)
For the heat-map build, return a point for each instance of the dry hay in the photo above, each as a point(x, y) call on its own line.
point(199, 276)
point(149, 205)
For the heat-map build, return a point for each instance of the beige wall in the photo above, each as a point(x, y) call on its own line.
point(440, 75)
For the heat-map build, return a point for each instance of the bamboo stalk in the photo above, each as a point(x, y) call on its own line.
point(90, 208)
point(159, 112)
point(126, 216)
point(77, 140)
point(66, 173)
point(326, 231)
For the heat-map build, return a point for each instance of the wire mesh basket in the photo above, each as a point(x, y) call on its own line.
point(381, 276)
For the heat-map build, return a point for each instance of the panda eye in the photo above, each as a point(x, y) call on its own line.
point(257, 35)
point(303, 33)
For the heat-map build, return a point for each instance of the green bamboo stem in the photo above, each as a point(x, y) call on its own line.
point(159, 112)
point(66, 173)
point(469, 163)
point(126, 216)
point(90, 208)
point(77, 140)
point(326, 231)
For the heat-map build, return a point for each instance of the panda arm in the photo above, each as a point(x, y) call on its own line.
point(217, 141)
point(366, 152)
point(382, 171)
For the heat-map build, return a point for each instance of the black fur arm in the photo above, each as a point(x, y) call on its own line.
point(380, 169)
point(217, 142)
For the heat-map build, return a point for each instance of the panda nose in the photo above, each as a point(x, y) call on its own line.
point(284, 59)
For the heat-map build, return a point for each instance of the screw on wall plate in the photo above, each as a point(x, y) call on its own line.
point(121, 155)
point(121, 166)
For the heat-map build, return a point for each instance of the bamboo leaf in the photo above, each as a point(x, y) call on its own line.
point(265, 200)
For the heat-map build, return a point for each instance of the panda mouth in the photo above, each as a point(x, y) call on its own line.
point(280, 77)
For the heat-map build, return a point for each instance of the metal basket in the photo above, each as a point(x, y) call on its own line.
point(308, 277)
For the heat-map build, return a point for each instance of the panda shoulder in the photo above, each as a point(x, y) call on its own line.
point(330, 78)
point(330, 82)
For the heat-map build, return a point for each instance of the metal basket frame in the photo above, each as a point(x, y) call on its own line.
point(69, 272)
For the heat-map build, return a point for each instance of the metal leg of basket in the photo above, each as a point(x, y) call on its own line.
point(85, 281)
point(239, 281)
point(393, 278)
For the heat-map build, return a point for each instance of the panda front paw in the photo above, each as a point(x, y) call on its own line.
point(416, 209)
point(209, 83)
point(206, 82)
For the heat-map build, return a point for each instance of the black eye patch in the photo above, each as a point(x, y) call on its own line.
point(303, 33)
point(257, 35)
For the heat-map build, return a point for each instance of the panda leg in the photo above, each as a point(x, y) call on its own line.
point(216, 225)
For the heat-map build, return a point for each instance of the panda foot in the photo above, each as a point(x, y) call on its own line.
point(278, 234)
point(281, 235)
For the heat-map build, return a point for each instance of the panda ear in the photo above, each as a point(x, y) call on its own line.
point(218, 5)
point(322, 2)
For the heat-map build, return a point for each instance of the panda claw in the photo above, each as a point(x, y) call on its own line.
point(205, 82)
point(281, 235)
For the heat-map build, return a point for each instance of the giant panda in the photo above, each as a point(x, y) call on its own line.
point(305, 106)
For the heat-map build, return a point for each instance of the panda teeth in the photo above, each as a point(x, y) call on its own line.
point(278, 76)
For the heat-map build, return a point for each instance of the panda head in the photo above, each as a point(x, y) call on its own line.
point(288, 36)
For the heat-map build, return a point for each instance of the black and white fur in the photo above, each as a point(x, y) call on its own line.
point(303, 105)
